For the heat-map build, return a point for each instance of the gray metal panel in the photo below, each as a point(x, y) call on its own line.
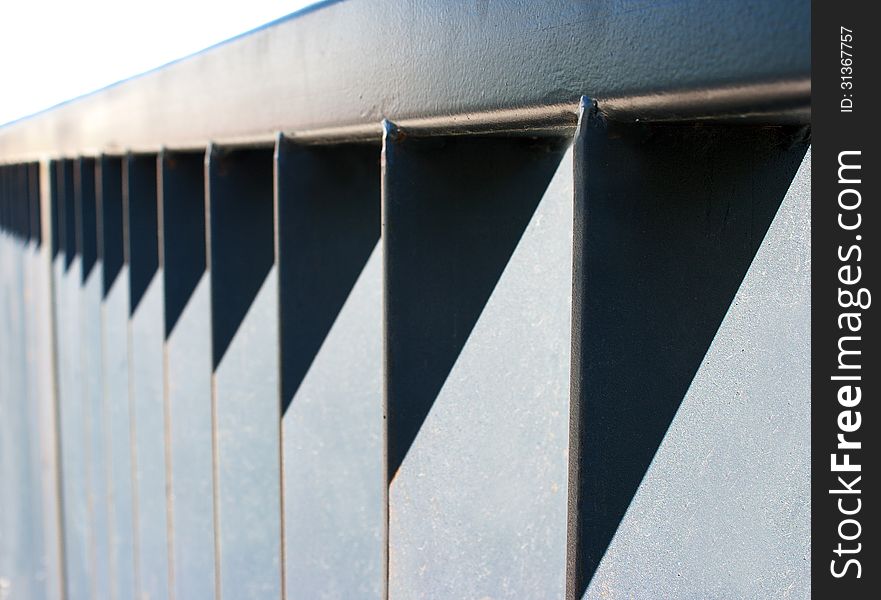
point(478, 255)
point(145, 380)
point(668, 221)
point(12, 571)
point(33, 300)
point(21, 532)
point(188, 372)
point(330, 284)
point(244, 312)
point(116, 389)
point(41, 343)
point(50, 408)
point(91, 379)
point(11, 392)
point(31, 546)
point(146, 376)
point(71, 410)
point(114, 369)
point(675, 302)
point(341, 65)
point(7, 444)
point(700, 497)
point(66, 271)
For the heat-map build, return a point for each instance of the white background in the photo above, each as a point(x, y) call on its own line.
point(55, 50)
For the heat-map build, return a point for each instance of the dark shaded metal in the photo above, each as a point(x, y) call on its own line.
point(86, 217)
point(182, 202)
point(22, 202)
point(36, 210)
point(55, 206)
point(68, 210)
point(111, 242)
point(142, 224)
point(242, 251)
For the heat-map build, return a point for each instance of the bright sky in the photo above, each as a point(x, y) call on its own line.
point(55, 50)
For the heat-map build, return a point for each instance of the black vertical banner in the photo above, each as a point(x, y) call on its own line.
point(846, 370)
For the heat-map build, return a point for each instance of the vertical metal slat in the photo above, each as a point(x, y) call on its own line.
point(330, 291)
point(668, 221)
point(477, 235)
point(67, 275)
point(188, 371)
point(90, 376)
point(114, 370)
point(146, 376)
point(244, 313)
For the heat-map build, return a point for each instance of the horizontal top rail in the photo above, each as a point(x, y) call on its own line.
point(335, 71)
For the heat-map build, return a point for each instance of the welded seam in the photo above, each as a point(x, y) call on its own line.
point(276, 173)
point(166, 401)
point(136, 521)
point(771, 102)
point(587, 112)
point(390, 133)
point(215, 457)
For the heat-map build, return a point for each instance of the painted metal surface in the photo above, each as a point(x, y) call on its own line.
point(46, 355)
point(90, 375)
point(660, 257)
point(71, 409)
point(13, 463)
point(25, 562)
point(188, 373)
point(146, 376)
point(700, 496)
point(247, 419)
point(478, 246)
point(39, 342)
point(546, 362)
point(330, 292)
point(114, 369)
point(479, 256)
point(31, 519)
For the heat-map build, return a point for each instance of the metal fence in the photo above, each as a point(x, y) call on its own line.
point(415, 300)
